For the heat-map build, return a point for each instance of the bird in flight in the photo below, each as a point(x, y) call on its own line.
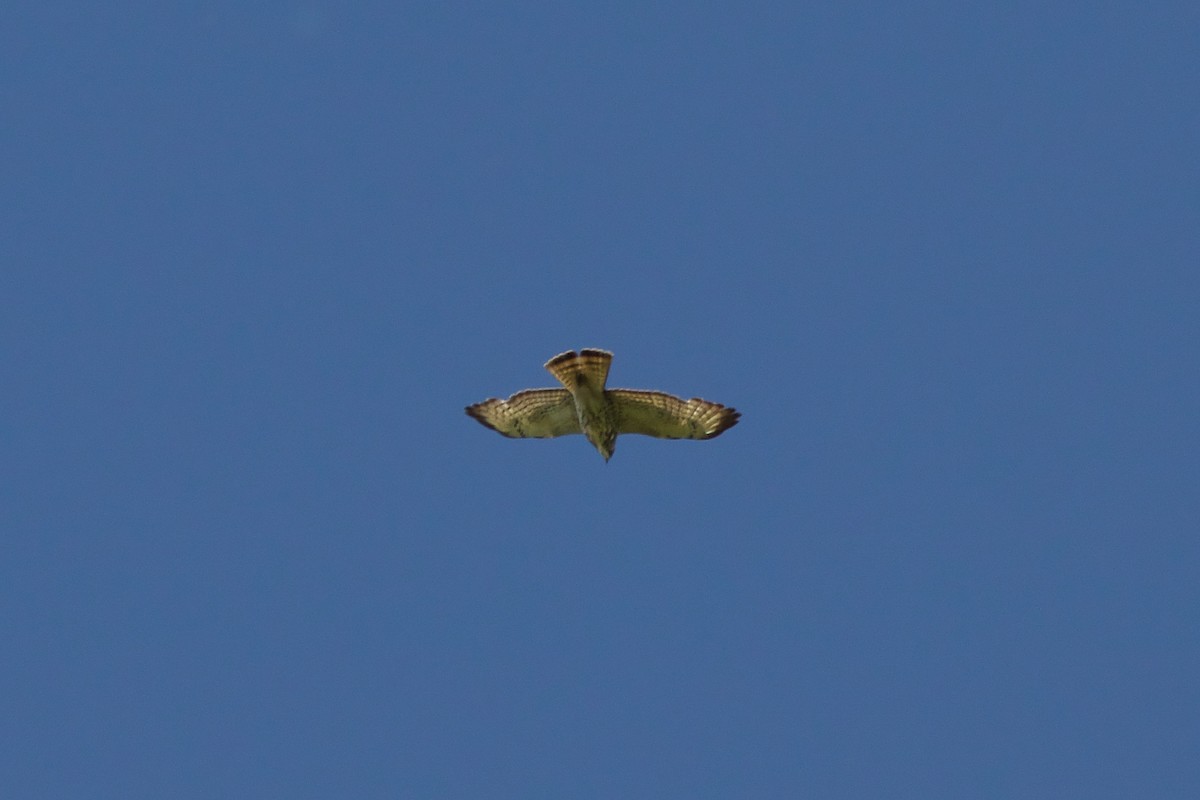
point(585, 406)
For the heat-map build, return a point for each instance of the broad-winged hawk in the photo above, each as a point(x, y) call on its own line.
point(586, 407)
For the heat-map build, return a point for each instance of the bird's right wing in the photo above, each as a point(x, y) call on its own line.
point(535, 413)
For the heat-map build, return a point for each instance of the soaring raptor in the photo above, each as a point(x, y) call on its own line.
point(586, 407)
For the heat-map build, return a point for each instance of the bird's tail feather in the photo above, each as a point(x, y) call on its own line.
point(585, 367)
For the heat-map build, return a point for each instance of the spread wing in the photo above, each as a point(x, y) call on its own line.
point(669, 417)
point(537, 413)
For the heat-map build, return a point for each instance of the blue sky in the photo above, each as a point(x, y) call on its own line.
point(257, 258)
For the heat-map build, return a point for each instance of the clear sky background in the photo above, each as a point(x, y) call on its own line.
point(256, 258)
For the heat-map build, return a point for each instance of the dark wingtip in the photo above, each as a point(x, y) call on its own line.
point(475, 412)
point(729, 418)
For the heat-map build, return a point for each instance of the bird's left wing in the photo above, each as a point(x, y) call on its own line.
point(536, 413)
point(669, 417)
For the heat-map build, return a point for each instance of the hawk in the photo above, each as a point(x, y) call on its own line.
point(586, 407)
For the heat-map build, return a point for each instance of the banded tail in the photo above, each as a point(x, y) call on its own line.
point(585, 368)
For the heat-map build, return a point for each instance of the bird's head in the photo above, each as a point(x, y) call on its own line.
point(606, 444)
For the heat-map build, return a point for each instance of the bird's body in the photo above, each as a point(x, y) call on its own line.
point(584, 375)
point(585, 406)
